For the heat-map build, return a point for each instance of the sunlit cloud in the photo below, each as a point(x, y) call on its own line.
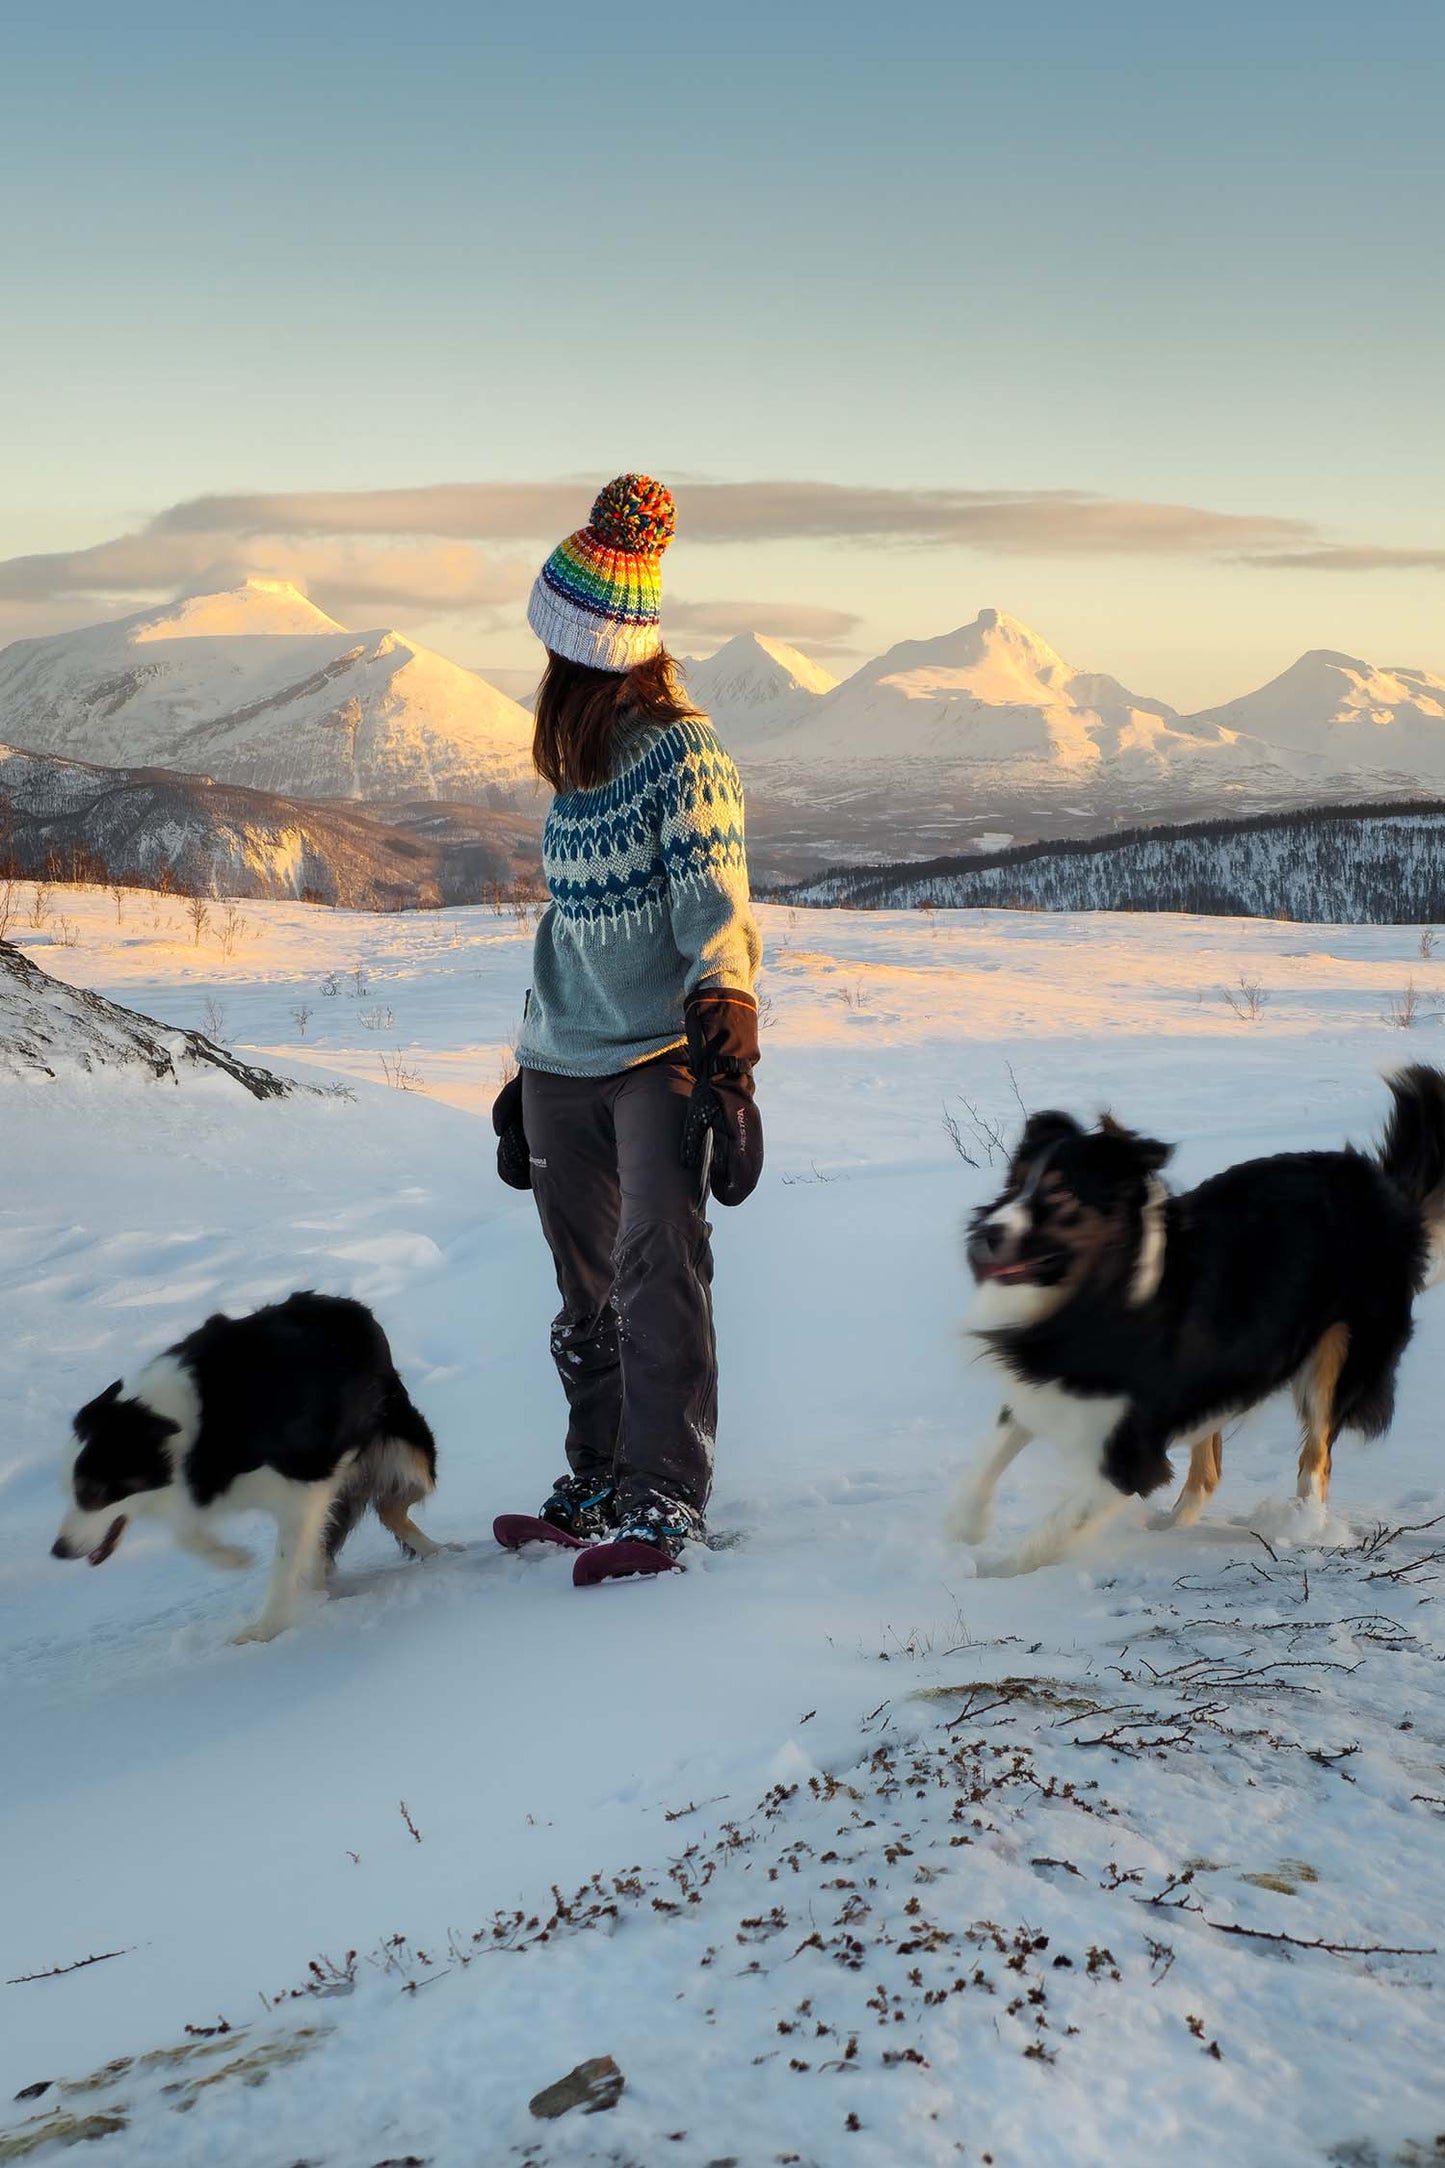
point(1023, 521)
point(472, 547)
point(1345, 557)
point(344, 575)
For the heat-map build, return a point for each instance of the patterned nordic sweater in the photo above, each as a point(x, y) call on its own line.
point(649, 883)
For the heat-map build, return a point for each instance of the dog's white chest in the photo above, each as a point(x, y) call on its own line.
point(1075, 1426)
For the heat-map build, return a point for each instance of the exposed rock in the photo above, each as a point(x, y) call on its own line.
point(592, 2086)
point(47, 1027)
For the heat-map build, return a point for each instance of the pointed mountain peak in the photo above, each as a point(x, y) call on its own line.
point(755, 688)
point(995, 628)
point(769, 659)
point(995, 654)
point(1317, 659)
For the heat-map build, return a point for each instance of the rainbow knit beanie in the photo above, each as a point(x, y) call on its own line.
point(598, 598)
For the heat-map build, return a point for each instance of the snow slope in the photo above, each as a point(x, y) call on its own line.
point(893, 1864)
point(257, 686)
point(755, 689)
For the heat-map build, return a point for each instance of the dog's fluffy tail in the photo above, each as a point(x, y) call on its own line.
point(1412, 1156)
point(392, 1474)
point(401, 1419)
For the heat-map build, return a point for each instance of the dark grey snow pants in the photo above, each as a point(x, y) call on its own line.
point(633, 1341)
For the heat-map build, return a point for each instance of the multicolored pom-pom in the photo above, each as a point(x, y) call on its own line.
point(636, 514)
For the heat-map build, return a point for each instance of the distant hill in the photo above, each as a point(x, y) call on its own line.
point(257, 686)
point(1378, 864)
point(148, 825)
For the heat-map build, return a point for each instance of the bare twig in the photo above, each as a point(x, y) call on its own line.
point(1382, 1537)
point(57, 1972)
point(1335, 1949)
point(678, 1814)
point(1411, 1565)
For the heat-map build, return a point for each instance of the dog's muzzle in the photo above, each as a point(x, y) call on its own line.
point(997, 1251)
point(65, 1547)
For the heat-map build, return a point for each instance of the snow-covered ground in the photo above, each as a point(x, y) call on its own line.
point(844, 1854)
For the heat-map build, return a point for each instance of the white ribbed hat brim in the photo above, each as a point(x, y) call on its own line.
point(606, 643)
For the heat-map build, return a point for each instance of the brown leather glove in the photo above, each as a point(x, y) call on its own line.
point(722, 1046)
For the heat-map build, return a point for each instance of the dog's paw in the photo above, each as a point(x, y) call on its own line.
point(1185, 1511)
point(261, 1629)
point(1003, 1566)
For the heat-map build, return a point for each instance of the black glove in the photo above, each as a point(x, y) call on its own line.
point(722, 1045)
point(514, 1161)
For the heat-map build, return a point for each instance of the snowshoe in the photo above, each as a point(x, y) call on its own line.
point(646, 1542)
point(513, 1530)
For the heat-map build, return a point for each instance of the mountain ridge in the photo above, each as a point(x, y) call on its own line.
point(993, 696)
point(157, 827)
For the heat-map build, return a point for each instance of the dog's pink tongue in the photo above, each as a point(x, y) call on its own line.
point(108, 1542)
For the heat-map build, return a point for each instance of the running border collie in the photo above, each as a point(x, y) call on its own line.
point(1126, 1319)
point(296, 1410)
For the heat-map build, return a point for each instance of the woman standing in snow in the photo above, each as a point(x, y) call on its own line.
point(637, 1046)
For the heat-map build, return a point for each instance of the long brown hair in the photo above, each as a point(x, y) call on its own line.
point(579, 708)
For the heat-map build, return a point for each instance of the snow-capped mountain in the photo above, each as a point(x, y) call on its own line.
point(257, 686)
point(990, 694)
point(942, 743)
point(755, 688)
point(1345, 715)
point(994, 701)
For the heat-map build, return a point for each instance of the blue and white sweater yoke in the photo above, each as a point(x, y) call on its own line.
point(648, 878)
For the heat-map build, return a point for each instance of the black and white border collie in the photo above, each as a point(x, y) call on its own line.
point(1126, 1319)
point(296, 1410)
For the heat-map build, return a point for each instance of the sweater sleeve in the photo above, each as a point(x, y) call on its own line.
point(705, 857)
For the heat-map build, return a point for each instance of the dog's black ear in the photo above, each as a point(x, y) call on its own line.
point(1149, 1154)
point(1050, 1127)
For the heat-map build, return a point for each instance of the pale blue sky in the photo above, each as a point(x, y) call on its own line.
point(1163, 255)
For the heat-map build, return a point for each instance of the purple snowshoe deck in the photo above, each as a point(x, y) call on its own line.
point(512, 1530)
point(615, 1561)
